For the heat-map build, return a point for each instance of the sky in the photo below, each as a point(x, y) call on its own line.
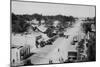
point(52, 9)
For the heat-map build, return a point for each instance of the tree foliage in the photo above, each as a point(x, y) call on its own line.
point(19, 24)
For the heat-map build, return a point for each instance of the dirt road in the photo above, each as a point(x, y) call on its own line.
point(60, 47)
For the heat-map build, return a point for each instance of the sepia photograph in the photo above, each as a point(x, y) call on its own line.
point(44, 33)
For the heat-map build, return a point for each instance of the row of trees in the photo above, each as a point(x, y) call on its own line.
point(19, 24)
point(91, 45)
point(39, 17)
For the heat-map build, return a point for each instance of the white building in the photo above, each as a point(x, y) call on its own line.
point(56, 23)
point(18, 54)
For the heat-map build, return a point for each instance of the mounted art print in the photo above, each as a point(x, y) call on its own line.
point(52, 33)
